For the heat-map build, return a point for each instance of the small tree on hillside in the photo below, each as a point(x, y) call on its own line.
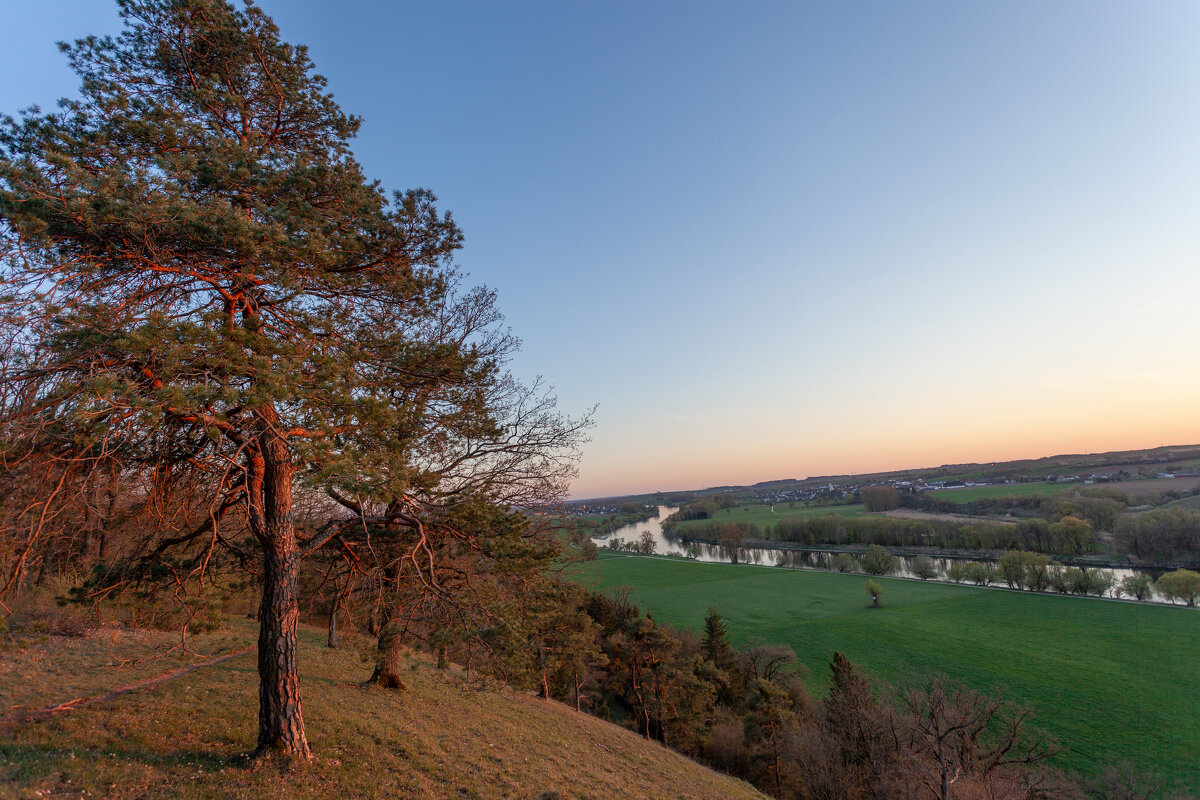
point(715, 643)
point(954, 733)
point(875, 591)
point(859, 729)
point(715, 647)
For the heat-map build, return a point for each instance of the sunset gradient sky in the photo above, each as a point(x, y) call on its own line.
point(780, 239)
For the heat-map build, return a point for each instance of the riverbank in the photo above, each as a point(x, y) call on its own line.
point(820, 557)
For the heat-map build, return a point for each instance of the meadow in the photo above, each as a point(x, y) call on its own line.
point(1111, 681)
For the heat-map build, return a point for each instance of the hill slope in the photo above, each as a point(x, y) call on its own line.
point(187, 737)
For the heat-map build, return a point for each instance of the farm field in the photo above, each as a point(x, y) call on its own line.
point(970, 493)
point(1153, 485)
point(762, 516)
point(1176, 458)
point(1111, 681)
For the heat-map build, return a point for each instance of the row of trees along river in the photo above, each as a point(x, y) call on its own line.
point(1024, 571)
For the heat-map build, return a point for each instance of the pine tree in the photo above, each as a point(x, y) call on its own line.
point(715, 643)
point(716, 648)
point(206, 299)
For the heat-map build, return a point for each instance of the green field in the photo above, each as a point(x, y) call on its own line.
point(970, 493)
point(762, 516)
point(1112, 681)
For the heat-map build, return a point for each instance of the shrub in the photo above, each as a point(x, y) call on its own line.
point(844, 562)
point(924, 567)
point(1182, 584)
point(878, 561)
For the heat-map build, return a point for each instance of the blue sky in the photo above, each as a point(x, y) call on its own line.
point(785, 239)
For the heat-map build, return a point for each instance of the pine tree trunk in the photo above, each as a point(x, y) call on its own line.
point(331, 640)
point(388, 647)
point(280, 721)
point(387, 663)
point(269, 479)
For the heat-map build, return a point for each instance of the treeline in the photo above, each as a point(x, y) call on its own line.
point(1068, 536)
point(1101, 507)
point(627, 514)
point(1017, 569)
point(1165, 534)
point(1160, 535)
point(704, 507)
point(712, 531)
point(1036, 572)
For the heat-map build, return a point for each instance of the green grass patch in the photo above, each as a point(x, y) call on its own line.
point(1111, 681)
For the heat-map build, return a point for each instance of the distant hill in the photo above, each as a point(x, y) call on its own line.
point(1168, 458)
point(187, 737)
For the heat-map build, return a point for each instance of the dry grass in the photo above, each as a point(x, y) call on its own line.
point(188, 738)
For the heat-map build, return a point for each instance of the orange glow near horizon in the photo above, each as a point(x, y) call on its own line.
point(828, 454)
point(896, 420)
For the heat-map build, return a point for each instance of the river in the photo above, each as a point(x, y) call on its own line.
point(778, 556)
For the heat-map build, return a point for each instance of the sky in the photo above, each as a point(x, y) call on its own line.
point(785, 239)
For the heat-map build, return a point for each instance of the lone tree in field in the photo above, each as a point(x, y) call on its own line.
point(874, 590)
point(206, 300)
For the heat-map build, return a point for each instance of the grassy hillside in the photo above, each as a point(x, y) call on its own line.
point(187, 738)
point(1110, 680)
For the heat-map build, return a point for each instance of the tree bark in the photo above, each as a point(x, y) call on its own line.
point(331, 641)
point(388, 646)
point(269, 479)
point(280, 720)
point(387, 664)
